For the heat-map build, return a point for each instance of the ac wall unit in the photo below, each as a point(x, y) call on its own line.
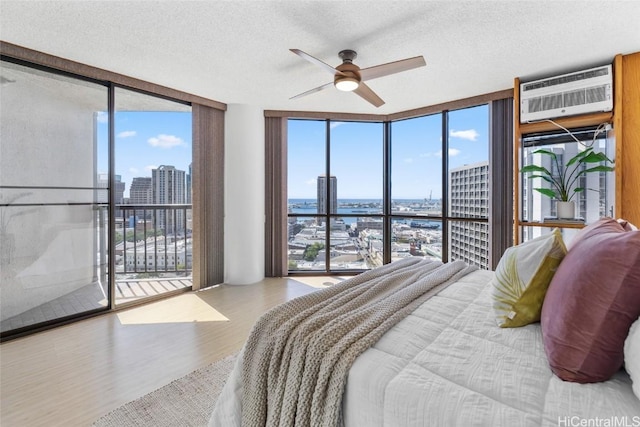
point(580, 92)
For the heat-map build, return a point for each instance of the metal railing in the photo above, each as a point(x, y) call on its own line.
point(153, 239)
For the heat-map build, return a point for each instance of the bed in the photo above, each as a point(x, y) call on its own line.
point(444, 362)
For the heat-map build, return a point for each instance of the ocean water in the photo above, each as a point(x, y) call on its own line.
point(346, 206)
point(358, 206)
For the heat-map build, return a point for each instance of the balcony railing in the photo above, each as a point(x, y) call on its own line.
point(153, 256)
point(153, 240)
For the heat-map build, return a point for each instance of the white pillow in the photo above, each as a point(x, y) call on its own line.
point(632, 356)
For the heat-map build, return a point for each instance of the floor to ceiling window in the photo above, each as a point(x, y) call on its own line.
point(356, 168)
point(306, 162)
point(342, 212)
point(468, 186)
point(53, 208)
point(418, 188)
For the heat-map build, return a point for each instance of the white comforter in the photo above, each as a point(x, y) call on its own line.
point(449, 364)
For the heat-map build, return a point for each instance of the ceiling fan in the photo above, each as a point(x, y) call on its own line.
point(349, 77)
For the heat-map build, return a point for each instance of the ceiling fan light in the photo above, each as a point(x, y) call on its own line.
point(347, 84)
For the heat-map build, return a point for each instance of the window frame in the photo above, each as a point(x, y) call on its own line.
point(387, 213)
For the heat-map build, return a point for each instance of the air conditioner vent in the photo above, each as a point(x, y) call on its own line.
point(570, 94)
point(596, 94)
point(567, 78)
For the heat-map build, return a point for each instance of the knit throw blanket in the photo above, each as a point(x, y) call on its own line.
point(297, 357)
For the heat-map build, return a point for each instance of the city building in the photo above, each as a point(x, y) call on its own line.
point(189, 193)
point(365, 223)
point(469, 198)
point(103, 183)
point(189, 197)
point(322, 194)
point(157, 255)
point(169, 189)
point(141, 191)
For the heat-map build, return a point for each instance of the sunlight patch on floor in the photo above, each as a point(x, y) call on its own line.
point(181, 309)
point(318, 281)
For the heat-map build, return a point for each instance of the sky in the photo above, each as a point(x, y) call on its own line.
point(357, 154)
point(145, 140)
point(148, 139)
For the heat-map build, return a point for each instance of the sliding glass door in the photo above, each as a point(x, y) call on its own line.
point(95, 197)
point(153, 211)
point(53, 210)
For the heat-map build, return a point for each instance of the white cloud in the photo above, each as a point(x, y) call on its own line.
point(127, 134)
point(334, 125)
point(452, 152)
point(133, 170)
point(425, 154)
point(150, 167)
point(469, 134)
point(102, 117)
point(408, 160)
point(165, 141)
point(311, 181)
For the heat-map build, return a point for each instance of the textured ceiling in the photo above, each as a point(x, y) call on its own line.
point(238, 51)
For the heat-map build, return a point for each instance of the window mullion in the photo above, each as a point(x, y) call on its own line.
point(445, 186)
point(111, 239)
point(327, 205)
point(386, 201)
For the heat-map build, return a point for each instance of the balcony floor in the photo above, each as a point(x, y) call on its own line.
point(92, 297)
point(134, 289)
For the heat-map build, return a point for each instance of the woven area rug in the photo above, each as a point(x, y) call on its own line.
point(187, 401)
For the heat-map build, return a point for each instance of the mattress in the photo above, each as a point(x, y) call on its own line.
point(449, 364)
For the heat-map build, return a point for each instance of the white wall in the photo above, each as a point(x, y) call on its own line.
point(244, 195)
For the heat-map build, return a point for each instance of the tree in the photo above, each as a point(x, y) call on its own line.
point(311, 251)
point(139, 235)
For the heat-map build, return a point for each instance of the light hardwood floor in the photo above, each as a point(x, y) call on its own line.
point(72, 375)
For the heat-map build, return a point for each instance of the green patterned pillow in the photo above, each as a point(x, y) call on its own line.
point(522, 278)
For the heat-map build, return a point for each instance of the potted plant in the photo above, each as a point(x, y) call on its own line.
point(563, 185)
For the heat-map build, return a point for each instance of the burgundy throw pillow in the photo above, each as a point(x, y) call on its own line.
point(592, 300)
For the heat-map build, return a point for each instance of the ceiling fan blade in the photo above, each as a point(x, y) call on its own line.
point(392, 68)
point(314, 90)
point(369, 95)
point(316, 61)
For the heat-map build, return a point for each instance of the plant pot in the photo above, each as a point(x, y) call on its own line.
point(566, 210)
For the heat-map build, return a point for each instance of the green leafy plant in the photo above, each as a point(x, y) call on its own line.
point(562, 186)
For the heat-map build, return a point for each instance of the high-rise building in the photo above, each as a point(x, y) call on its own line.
point(189, 188)
point(469, 198)
point(190, 197)
point(141, 191)
point(103, 183)
point(322, 194)
point(169, 189)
